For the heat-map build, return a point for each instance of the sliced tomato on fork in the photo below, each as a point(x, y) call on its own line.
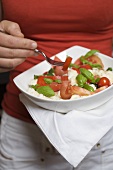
point(67, 63)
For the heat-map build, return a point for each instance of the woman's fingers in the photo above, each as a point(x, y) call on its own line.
point(10, 41)
point(15, 53)
point(14, 48)
point(12, 37)
point(8, 64)
point(11, 28)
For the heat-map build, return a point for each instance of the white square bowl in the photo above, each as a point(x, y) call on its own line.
point(90, 102)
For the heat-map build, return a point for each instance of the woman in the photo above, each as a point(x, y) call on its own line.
point(54, 26)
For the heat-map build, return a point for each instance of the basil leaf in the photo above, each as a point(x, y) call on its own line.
point(90, 53)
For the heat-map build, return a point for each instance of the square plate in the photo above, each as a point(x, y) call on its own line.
point(64, 106)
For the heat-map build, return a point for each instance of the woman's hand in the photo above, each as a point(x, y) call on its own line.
point(14, 48)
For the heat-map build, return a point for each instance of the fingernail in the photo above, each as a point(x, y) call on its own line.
point(34, 45)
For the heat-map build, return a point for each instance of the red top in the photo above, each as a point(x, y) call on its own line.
point(57, 25)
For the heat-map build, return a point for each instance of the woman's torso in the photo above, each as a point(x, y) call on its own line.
point(57, 25)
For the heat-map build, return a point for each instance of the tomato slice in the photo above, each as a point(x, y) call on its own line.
point(65, 91)
point(53, 77)
point(67, 63)
point(64, 78)
point(55, 86)
point(41, 81)
point(78, 62)
point(95, 59)
point(77, 69)
point(87, 66)
point(59, 71)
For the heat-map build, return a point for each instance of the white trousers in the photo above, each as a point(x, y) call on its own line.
point(24, 147)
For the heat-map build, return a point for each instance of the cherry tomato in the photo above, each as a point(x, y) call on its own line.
point(103, 82)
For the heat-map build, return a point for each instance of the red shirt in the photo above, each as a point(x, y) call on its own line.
point(57, 25)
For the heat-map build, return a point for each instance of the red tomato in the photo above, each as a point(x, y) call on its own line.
point(95, 59)
point(103, 82)
point(55, 86)
point(58, 71)
point(41, 81)
point(77, 69)
point(80, 91)
point(45, 73)
point(67, 63)
point(65, 90)
point(78, 62)
point(64, 78)
point(87, 66)
point(53, 77)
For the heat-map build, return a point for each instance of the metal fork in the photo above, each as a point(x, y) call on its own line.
point(49, 60)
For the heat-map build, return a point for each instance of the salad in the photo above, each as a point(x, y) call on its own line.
point(83, 77)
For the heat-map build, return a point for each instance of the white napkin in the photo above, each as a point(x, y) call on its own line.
point(75, 133)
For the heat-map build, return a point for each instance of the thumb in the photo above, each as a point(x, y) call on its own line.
point(11, 28)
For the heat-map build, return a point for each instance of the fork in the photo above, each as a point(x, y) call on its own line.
point(49, 60)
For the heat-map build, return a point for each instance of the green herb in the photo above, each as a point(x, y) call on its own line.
point(81, 80)
point(109, 69)
point(96, 80)
point(34, 86)
point(93, 65)
point(50, 72)
point(58, 81)
point(46, 91)
point(87, 74)
point(96, 65)
point(88, 87)
point(36, 76)
point(74, 65)
point(48, 80)
point(90, 53)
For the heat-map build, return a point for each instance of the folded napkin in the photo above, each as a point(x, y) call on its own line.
point(75, 133)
